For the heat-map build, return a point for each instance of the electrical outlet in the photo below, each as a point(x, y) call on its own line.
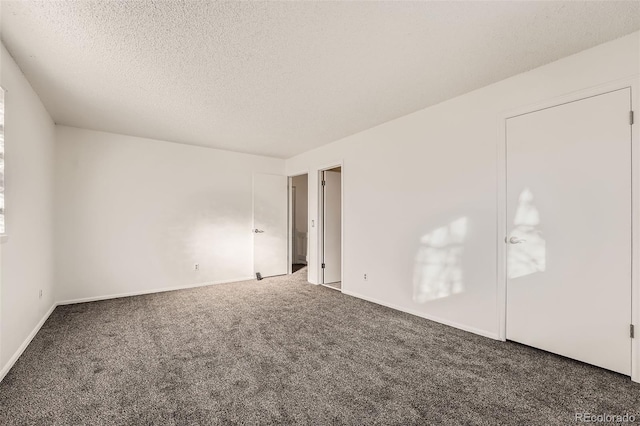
point(40, 294)
point(365, 277)
point(196, 267)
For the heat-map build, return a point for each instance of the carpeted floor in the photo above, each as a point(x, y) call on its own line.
point(336, 285)
point(282, 351)
point(297, 266)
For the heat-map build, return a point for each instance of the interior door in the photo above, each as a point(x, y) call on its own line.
point(569, 230)
point(269, 224)
point(332, 227)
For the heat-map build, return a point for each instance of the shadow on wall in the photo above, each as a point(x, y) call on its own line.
point(438, 267)
point(529, 256)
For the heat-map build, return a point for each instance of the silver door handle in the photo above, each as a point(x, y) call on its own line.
point(258, 231)
point(516, 240)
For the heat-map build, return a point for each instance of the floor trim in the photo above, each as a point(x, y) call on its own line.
point(453, 324)
point(9, 365)
point(157, 290)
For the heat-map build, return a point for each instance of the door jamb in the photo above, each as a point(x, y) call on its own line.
point(291, 226)
point(628, 82)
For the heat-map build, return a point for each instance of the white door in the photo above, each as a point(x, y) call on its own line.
point(569, 230)
point(269, 224)
point(331, 227)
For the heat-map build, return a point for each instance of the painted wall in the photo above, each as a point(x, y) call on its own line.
point(27, 254)
point(135, 215)
point(422, 190)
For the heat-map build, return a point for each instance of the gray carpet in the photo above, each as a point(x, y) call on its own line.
point(336, 285)
point(282, 351)
point(297, 266)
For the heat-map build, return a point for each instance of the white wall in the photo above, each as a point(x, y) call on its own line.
point(436, 170)
point(134, 215)
point(27, 255)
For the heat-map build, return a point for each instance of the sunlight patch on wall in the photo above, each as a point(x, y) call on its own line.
point(438, 268)
point(529, 256)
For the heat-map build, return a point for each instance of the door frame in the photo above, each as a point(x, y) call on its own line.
point(320, 227)
point(501, 248)
point(291, 219)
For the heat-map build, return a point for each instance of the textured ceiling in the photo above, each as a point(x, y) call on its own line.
point(280, 78)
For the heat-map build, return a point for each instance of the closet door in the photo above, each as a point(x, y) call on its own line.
point(569, 230)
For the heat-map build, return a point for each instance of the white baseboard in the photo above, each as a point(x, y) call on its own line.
point(24, 344)
point(157, 290)
point(425, 316)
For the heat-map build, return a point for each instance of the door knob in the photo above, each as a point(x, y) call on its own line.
point(516, 240)
point(258, 231)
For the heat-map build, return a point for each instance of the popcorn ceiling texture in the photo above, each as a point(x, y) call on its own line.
point(280, 78)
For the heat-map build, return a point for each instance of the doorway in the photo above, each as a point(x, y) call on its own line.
point(568, 230)
point(331, 227)
point(299, 222)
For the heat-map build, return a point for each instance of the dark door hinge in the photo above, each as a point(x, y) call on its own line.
point(323, 266)
point(632, 331)
point(631, 118)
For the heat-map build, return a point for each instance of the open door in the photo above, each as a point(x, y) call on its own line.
point(269, 225)
point(331, 227)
